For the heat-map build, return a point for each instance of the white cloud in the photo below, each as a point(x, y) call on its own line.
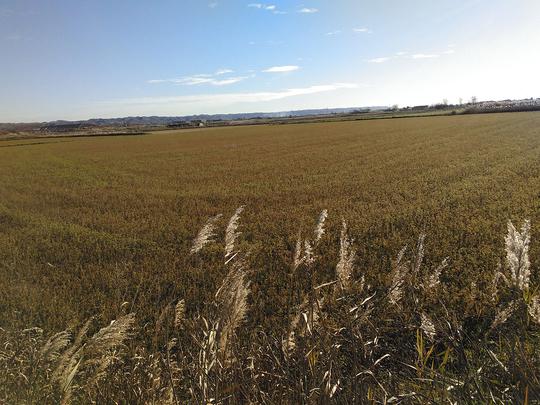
point(213, 4)
point(379, 60)
point(336, 32)
point(267, 7)
point(449, 51)
point(223, 72)
point(211, 79)
point(230, 80)
point(403, 54)
point(425, 56)
point(230, 98)
point(192, 80)
point(307, 10)
point(363, 30)
point(281, 69)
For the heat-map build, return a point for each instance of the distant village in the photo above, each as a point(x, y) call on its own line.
point(188, 124)
point(139, 125)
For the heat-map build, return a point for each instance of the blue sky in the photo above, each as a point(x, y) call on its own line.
point(74, 59)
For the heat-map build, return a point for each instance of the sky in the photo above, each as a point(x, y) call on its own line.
point(75, 59)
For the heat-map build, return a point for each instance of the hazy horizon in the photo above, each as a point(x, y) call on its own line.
point(70, 61)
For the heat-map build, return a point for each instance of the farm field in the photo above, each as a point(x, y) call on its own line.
point(92, 226)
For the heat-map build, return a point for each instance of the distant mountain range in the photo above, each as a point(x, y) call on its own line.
point(157, 120)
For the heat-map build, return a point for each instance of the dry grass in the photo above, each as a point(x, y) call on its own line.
point(105, 228)
point(346, 345)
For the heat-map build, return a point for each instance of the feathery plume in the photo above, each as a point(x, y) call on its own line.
point(400, 273)
point(419, 253)
point(205, 235)
point(111, 336)
point(434, 279)
point(290, 342)
point(517, 254)
point(534, 309)
point(309, 256)
point(66, 383)
point(101, 349)
point(231, 235)
point(71, 356)
point(55, 345)
point(98, 348)
point(401, 253)
point(179, 313)
point(319, 229)
point(232, 299)
point(504, 314)
point(95, 352)
point(428, 327)
point(303, 311)
point(347, 255)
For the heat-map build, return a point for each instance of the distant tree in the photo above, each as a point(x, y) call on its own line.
point(445, 101)
point(474, 100)
point(460, 101)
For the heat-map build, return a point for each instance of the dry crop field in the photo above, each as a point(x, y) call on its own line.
point(103, 227)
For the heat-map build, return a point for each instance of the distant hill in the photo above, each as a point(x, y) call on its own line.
point(157, 120)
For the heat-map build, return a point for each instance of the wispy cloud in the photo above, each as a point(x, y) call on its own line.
point(213, 4)
point(268, 7)
point(406, 55)
point(379, 60)
point(281, 69)
point(232, 98)
point(363, 30)
point(336, 32)
point(425, 56)
point(223, 72)
point(214, 79)
point(307, 10)
point(230, 80)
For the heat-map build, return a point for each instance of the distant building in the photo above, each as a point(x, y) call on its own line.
point(187, 124)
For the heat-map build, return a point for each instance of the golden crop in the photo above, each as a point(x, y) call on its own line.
point(105, 225)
